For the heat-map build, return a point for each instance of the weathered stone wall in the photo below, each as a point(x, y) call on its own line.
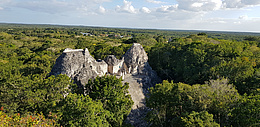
point(136, 58)
point(72, 50)
point(79, 65)
point(68, 63)
point(101, 68)
point(114, 64)
point(118, 67)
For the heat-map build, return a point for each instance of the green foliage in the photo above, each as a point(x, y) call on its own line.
point(160, 39)
point(28, 120)
point(114, 96)
point(22, 94)
point(202, 34)
point(50, 92)
point(197, 59)
point(145, 40)
point(182, 62)
point(171, 101)
point(252, 38)
point(199, 119)
point(78, 110)
point(101, 51)
point(246, 112)
point(167, 101)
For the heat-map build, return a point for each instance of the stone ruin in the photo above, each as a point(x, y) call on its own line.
point(134, 68)
point(79, 65)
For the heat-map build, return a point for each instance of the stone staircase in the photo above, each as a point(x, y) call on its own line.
point(137, 91)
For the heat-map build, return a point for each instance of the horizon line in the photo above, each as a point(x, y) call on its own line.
point(140, 28)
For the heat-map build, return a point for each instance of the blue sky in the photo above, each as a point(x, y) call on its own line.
point(217, 15)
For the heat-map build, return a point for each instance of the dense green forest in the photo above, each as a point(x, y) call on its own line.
point(210, 78)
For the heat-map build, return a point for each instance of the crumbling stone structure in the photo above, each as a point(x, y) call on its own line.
point(79, 65)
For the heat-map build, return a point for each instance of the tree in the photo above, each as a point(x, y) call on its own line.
point(114, 96)
point(202, 34)
point(49, 92)
point(171, 101)
point(160, 39)
point(237, 71)
point(80, 110)
point(20, 94)
point(168, 102)
point(246, 112)
point(196, 59)
point(28, 120)
point(252, 38)
point(198, 119)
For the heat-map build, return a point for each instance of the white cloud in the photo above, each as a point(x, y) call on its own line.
point(218, 21)
point(167, 8)
point(4, 3)
point(101, 10)
point(90, 1)
point(49, 6)
point(240, 3)
point(175, 15)
point(250, 2)
point(237, 22)
point(145, 10)
point(199, 5)
point(155, 2)
point(60, 6)
point(232, 4)
point(244, 17)
point(126, 7)
point(225, 24)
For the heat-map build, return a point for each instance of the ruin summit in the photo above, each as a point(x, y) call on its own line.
point(79, 65)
